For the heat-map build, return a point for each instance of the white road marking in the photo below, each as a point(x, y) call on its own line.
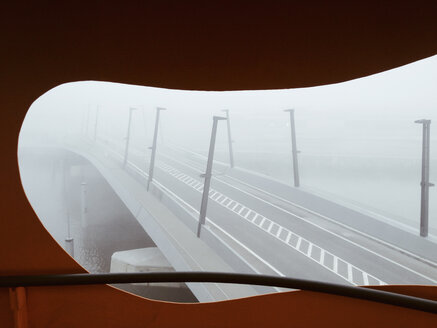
point(299, 241)
point(288, 237)
point(262, 221)
point(335, 264)
point(279, 231)
point(192, 183)
point(224, 200)
point(310, 249)
point(254, 218)
point(297, 247)
point(365, 278)
point(271, 267)
point(349, 272)
point(270, 226)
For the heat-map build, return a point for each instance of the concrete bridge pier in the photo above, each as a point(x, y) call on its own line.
point(83, 204)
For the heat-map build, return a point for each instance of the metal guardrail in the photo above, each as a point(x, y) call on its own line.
point(368, 294)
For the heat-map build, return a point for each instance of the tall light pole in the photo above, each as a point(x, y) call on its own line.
point(231, 152)
point(126, 149)
point(425, 184)
point(155, 137)
point(208, 174)
point(294, 148)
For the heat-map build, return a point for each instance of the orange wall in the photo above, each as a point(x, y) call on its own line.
point(216, 45)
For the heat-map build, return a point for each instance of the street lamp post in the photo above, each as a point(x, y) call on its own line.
point(231, 152)
point(294, 148)
point(425, 184)
point(155, 137)
point(126, 149)
point(208, 174)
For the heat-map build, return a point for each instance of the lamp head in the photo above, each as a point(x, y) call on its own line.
point(423, 121)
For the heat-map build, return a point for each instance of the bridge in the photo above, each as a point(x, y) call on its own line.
point(254, 224)
point(210, 214)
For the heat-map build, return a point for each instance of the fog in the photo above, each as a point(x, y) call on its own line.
point(358, 147)
point(357, 139)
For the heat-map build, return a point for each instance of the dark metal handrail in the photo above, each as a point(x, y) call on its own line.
point(368, 294)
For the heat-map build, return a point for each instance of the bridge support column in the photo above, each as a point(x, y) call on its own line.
point(69, 246)
point(83, 205)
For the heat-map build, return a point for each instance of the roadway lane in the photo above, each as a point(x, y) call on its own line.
point(284, 258)
point(280, 255)
point(387, 269)
point(294, 246)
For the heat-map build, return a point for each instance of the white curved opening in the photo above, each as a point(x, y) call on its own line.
point(355, 217)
